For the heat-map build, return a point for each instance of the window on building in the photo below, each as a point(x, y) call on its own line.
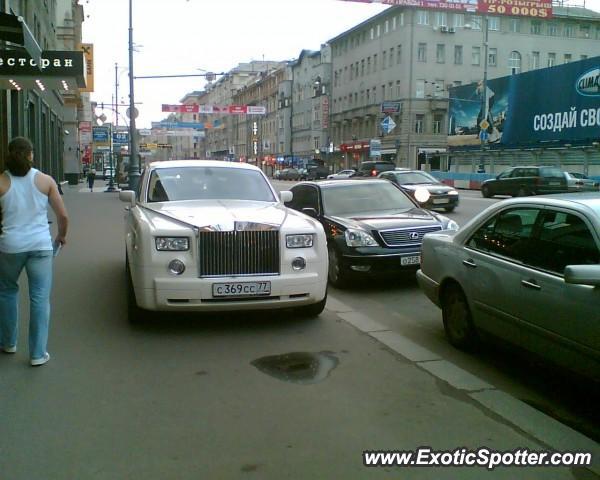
point(355, 98)
point(494, 23)
point(422, 52)
point(374, 94)
point(383, 93)
point(458, 54)
point(375, 63)
point(514, 62)
point(391, 62)
point(551, 59)
point(475, 22)
point(440, 53)
point(569, 30)
point(384, 60)
point(437, 123)
point(438, 88)
point(386, 27)
point(535, 60)
point(440, 19)
point(394, 23)
point(399, 54)
point(420, 86)
point(378, 31)
point(514, 25)
point(372, 33)
point(459, 20)
point(397, 89)
point(401, 19)
point(362, 67)
point(476, 56)
point(419, 120)
point(585, 31)
point(493, 57)
point(368, 65)
point(553, 28)
point(536, 27)
point(422, 17)
point(568, 57)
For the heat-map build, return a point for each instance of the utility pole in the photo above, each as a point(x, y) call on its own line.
point(134, 167)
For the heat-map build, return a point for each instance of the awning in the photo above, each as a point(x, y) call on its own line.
point(13, 29)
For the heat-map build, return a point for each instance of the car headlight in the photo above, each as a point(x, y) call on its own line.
point(452, 192)
point(299, 241)
point(452, 225)
point(422, 195)
point(359, 238)
point(172, 244)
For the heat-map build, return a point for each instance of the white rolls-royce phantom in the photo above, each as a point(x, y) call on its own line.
point(215, 236)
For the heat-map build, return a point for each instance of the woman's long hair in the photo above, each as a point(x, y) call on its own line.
point(18, 161)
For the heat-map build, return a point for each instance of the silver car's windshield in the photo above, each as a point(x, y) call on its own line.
point(364, 197)
point(414, 178)
point(208, 183)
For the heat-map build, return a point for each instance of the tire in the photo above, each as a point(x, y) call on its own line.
point(134, 313)
point(314, 310)
point(458, 323)
point(336, 274)
point(523, 192)
point(485, 191)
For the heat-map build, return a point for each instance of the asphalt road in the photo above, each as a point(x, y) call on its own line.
point(201, 396)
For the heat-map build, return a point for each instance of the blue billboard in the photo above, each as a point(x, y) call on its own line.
point(559, 104)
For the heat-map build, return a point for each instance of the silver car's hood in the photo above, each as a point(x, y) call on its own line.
point(224, 215)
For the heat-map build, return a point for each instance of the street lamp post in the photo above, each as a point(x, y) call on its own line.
point(134, 167)
point(484, 96)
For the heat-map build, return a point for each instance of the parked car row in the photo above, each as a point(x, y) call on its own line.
point(206, 236)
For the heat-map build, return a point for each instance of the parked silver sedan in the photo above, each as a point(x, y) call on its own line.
point(526, 271)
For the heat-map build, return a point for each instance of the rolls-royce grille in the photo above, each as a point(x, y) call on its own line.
point(239, 253)
point(408, 236)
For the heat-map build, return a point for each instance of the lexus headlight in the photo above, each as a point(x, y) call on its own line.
point(359, 238)
point(172, 244)
point(452, 225)
point(299, 241)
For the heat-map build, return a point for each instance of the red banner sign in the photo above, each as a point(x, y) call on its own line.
point(181, 108)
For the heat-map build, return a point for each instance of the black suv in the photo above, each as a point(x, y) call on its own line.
point(372, 168)
point(523, 181)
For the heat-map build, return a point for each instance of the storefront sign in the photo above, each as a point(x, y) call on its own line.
point(51, 64)
point(88, 54)
point(528, 8)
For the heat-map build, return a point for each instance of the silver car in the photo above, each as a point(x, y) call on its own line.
point(526, 271)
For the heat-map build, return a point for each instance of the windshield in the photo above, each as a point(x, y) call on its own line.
point(362, 197)
point(414, 178)
point(208, 183)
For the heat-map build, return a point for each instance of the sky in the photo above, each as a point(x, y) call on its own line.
point(180, 37)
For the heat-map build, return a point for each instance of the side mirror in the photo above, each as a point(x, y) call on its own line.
point(286, 196)
point(311, 212)
point(127, 196)
point(583, 275)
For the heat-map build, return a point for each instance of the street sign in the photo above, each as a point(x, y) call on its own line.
point(375, 147)
point(387, 125)
point(135, 112)
point(144, 132)
point(483, 135)
point(484, 124)
point(390, 107)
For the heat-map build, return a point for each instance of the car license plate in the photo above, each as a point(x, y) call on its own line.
point(437, 201)
point(241, 289)
point(413, 260)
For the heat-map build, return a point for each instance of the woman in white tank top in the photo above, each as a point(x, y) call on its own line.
point(25, 243)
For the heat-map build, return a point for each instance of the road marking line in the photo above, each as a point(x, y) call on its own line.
point(538, 424)
point(362, 322)
point(404, 346)
point(336, 306)
point(454, 375)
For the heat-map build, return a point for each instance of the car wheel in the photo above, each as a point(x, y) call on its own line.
point(313, 310)
point(523, 192)
point(134, 313)
point(336, 274)
point(485, 191)
point(458, 323)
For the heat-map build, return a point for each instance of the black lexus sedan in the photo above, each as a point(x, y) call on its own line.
point(372, 226)
point(424, 188)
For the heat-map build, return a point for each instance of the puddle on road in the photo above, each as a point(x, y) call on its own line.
point(298, 367)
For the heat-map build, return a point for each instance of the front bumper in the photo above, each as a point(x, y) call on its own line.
point(379, 264)
point(430, 287)
point(441, 201)
point(189, 294)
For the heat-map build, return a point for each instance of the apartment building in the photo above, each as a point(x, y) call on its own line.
point(43, 104)
point(411, 56)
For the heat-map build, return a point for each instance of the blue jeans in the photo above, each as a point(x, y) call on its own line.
point(38, 265)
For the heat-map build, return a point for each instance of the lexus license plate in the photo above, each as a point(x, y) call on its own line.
point(437, 201)
point(412, 260)
point(241, 289)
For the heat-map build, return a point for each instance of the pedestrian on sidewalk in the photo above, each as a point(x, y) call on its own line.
point(26, 243)
point(91, 176)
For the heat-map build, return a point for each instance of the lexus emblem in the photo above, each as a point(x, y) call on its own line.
point(413, 235)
